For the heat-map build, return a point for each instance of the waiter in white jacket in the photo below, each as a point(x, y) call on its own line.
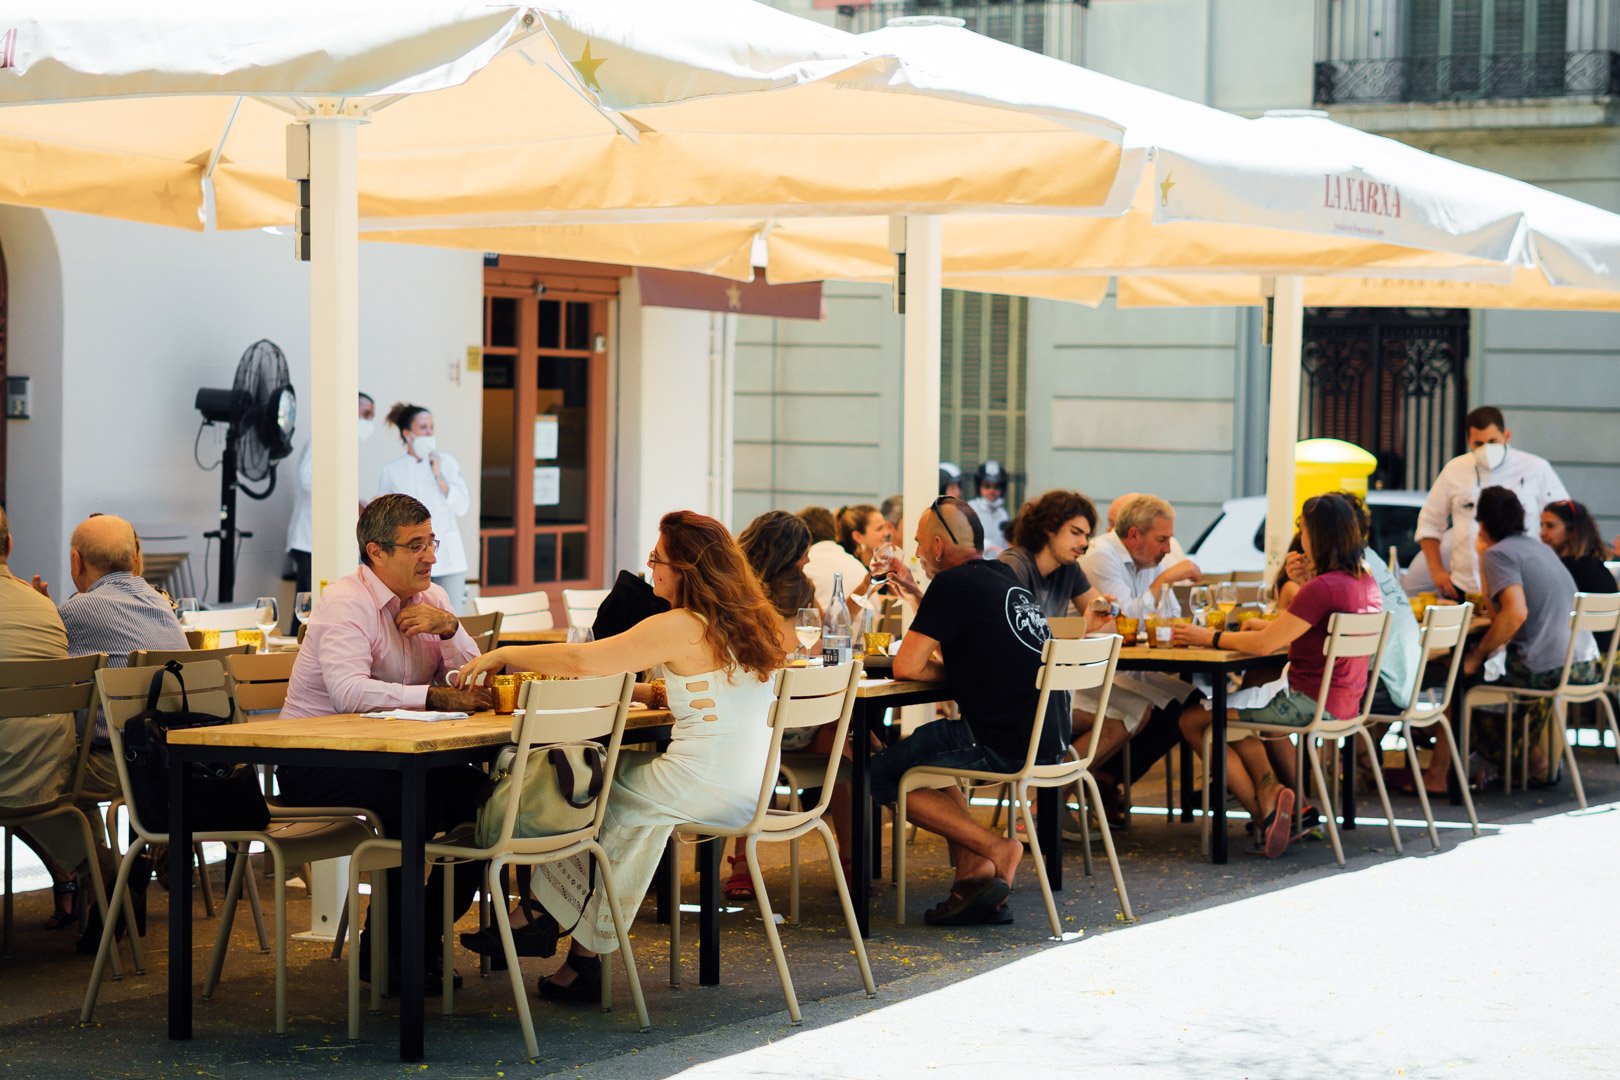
point(1491, 461)
point(432, 477)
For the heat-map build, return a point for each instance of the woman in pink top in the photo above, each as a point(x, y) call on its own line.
point(1331, 534)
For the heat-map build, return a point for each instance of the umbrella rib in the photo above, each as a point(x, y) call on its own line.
point(219, 147)
point(620, 124)
point(299, 110)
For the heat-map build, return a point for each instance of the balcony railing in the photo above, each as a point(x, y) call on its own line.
point(1499, 77)
point(1044, 26)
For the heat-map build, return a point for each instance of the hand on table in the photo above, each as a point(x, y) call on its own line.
point(476, 671)
point(450, 699)
point(427, 619)
point(1192, 635)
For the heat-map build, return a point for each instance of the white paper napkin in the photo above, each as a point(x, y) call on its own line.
point(414, 714)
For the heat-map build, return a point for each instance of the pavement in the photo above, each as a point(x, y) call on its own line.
point(1493, 956)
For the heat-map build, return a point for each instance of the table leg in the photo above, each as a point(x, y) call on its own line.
point(861, 817)
point(412, 915)
point(1050, 834)
point(708, 860)
point(179, 905)
point(1187, 793)
point(1215, 776)
point(1347, 754)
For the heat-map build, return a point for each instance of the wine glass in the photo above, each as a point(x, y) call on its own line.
point(883, 561)
point(187, 607)
point(1198, 601)
point(268, 619)
point(303, 606)
point(578, 635)
point(807, 628)
point(1266, 594)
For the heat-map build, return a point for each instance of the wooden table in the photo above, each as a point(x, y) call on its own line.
point(409, 747)
point(1217, 664)
point(556, 635)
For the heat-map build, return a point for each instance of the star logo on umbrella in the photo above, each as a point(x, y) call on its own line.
point(1164, 188)
point(733, 297)
point(586, 65)
point(166, 199)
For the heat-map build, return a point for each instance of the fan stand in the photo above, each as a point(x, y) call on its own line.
point(227, 533)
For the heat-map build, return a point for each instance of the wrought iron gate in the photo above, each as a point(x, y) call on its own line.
point(1391, 380)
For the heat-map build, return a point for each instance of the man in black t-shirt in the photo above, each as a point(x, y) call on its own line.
point(988, 631)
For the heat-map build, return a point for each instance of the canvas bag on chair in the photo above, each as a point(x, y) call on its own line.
point(560, 788)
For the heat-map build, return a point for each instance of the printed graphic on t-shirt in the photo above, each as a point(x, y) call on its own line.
point(1025, 618)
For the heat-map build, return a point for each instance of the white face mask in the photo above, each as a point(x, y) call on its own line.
point(365, 426)
point(1490, 455)
point(424, 445)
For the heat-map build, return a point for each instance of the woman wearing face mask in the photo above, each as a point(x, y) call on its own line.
point(433, 477)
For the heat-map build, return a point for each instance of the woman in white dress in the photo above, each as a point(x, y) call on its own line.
point(433, 478)
point(718, 645)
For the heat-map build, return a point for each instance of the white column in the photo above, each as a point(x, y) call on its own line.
point(722, 414)
point(1287, 338)
point(334, 360)
point(334, 352)
point(919, 469)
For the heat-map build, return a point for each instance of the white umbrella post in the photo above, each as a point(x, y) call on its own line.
point(1287, 334)
point(915, 241)
point(334, 361)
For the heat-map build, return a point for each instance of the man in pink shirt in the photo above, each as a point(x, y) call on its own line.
point(380, 639)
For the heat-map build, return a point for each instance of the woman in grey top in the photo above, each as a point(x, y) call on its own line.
point(1531, 595)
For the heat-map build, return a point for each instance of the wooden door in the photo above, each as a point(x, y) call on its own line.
point(544, 483)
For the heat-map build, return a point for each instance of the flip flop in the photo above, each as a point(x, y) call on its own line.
point(969, 902)
point(1277, 822)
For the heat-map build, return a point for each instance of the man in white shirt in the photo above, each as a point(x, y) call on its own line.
point(1177, 554)
point(301, 527)
point(1131, 561)
point(1491, 461)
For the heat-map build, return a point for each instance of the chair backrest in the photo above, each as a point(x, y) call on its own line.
point(1067, 627)
point(809, 697)
point(236, 618)
point(1445, 626)
point(1353, 636)
point(123, 696)
point(553, 712)
point(1594, 613)
point(47, 687)
point(522, 611)
point(485, 630)
point(582, 605)
point(1071, 664)
point(257, 683)
point(159, 657)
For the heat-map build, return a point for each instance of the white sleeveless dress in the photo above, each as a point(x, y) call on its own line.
point(711, 772)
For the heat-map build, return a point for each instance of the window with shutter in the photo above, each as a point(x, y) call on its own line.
point(984, 365)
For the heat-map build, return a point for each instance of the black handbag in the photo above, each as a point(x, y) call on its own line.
point(221, 797)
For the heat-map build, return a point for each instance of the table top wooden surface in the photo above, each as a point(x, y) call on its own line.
point(554, 636)
point(353, 732)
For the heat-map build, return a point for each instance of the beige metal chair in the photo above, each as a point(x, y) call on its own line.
point(550, 713)
point(1074, 664)
point(1594, 613)
point(42, 690)
point(1349, 636)
point(1445, 626)
point(159, 657)
point(485, 630)
point(581, 605)
point(524, 612)
point(805, 697)
point(290, 843)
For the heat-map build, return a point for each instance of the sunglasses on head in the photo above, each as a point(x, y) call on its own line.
point(939, 502)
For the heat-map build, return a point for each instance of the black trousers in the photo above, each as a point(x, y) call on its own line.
point(450, 798)
point(1156, 738)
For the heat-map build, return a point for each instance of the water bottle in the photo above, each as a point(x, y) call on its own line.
point(1162, 626)
point(836, 645)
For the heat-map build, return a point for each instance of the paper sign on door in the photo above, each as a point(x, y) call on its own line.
point(545, 438)
point(547, 485)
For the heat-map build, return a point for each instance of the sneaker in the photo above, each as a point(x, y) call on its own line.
point(1277, 824)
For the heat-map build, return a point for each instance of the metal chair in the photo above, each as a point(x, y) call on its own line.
point(1349, 636)
point(524, 612)
point(1593, 613)
point(289, 843)
point(550, 714)
point(581, 605)
point(805, 697)
point(1445, 626)
point(1074, 664)
point(485, 630)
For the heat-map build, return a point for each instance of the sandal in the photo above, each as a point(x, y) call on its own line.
point(67, 911)
point(740, 885)
point(586, 989)
point(1276, 824)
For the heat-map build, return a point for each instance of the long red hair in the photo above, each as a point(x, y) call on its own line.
point(717, 584)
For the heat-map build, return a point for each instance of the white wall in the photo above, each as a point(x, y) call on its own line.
point(669, 407)
point(150, 314)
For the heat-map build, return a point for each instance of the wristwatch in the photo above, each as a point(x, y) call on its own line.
point(1215, 642)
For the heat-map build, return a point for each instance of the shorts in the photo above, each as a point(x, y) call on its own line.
point(1283, 707)
point(948, 744)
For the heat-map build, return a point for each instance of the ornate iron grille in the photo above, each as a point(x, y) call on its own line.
point(1044, 26)
point(1391, 380)
point(1495, 77)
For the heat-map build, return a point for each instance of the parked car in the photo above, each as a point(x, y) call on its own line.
point(1237, 539)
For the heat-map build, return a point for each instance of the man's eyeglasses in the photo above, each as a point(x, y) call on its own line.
point(939, 502)
point(415, 547)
